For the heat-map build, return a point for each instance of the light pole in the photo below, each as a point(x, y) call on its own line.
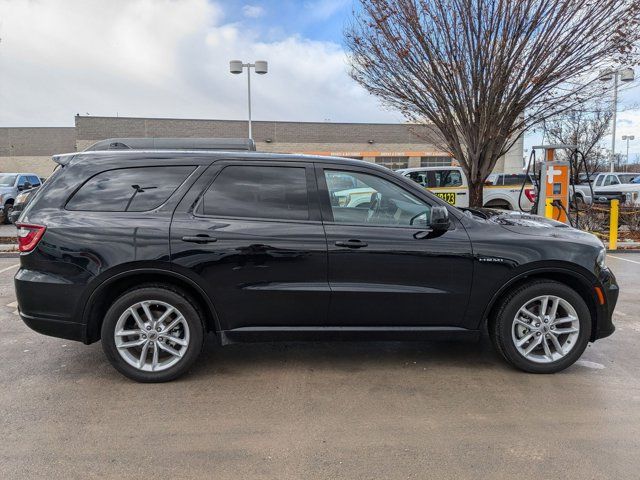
point(624, 75)
point(627, 138)
point(236, 67)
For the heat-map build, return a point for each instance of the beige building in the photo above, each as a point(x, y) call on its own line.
point(391, 145)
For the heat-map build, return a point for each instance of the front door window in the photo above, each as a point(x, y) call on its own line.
point(360, 198)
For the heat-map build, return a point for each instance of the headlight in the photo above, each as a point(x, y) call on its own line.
point(21, 198)
point(601, 260)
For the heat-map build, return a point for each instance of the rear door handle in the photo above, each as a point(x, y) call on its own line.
point(351, 243)
point(200, 238)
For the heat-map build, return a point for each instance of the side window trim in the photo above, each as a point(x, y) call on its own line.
point(216, 169)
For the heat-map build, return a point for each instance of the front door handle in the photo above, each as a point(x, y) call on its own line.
point(200, 238)
point(351, 243)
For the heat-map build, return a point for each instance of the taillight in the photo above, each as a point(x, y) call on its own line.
point(530, 193)
point(29, 236)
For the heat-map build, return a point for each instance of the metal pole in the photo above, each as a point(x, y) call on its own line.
point(615, 110)
point(249, 97)
point(627, 159)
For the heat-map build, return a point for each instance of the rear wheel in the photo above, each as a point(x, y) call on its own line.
point(153, 334)
point(542, 327)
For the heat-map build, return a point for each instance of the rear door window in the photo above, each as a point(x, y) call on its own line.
point(129, 189)
point(269, 192)
point(515, 179)
point(443, 178)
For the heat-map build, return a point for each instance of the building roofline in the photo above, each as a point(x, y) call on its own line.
point(407, 124)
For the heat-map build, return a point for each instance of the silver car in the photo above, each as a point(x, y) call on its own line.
point(11, 184)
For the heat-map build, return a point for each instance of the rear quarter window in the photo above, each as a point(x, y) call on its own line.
point(137, 189)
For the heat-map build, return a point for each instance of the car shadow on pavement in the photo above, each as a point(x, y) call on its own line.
point(345, 356)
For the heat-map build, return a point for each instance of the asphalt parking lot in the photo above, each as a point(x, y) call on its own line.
point(322, 410)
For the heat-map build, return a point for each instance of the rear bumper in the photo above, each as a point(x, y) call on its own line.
point(55, 327)
point(47, 303)
point(611, 290)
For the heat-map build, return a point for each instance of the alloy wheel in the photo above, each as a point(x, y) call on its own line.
point(545, 329)
point(151, 335)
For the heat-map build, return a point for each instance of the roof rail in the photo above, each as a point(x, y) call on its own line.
point(148, 143)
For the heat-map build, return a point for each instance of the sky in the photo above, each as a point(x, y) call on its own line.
point(169, 58)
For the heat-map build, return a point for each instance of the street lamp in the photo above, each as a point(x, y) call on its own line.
point(627, 138)
point(236, 67)
point(624, 75)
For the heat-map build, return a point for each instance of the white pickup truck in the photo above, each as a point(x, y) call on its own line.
point(610, 185)
point(501, 190)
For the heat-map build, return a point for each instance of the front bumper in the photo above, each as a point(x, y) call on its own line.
point(611, 290)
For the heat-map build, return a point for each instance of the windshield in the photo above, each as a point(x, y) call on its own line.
point(7, 180)
point(636, 180)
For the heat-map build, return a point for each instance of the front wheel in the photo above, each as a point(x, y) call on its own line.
point(542, 327)
point(8, 209)
point(153, 333)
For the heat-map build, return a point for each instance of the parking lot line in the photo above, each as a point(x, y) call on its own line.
point(625, 259)
point(9, 268)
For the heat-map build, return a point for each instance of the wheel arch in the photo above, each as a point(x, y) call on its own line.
point(110, 289)
point(572, 279)
point(498, 201)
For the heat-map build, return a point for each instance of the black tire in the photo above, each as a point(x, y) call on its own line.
point(500, 327)
point(8, 208)
point(163, 293)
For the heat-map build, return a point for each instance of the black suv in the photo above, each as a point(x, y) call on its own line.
point(150, 250)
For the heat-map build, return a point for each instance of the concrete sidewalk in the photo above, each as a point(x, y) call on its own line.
point(8, 231)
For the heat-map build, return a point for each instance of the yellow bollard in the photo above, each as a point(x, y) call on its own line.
point(548, 208)
point(613, 225)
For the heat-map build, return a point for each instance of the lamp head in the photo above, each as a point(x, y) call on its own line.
point(235, 66)
point(627, 75)
point(606, 75)
point(261, 67)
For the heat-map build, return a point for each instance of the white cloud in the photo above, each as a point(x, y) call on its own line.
point(253, 11)
point(162, 58)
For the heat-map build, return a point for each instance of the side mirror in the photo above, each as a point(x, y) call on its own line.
point(27, 186)
point(439, 220)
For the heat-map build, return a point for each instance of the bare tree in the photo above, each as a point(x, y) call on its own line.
point(483, 71)
point(584, 126)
